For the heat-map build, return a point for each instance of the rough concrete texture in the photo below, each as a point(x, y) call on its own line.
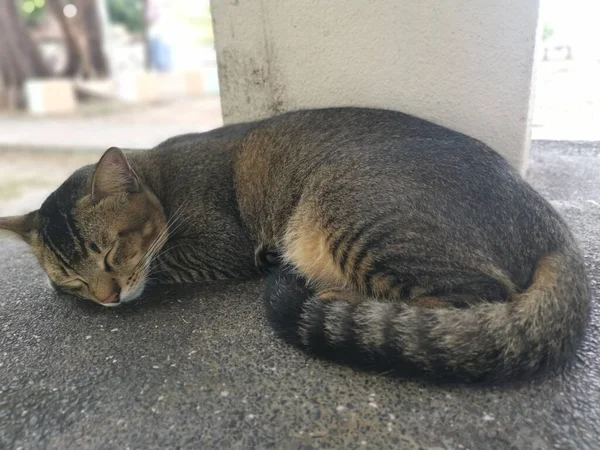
point(198, 367)
point(467, 64)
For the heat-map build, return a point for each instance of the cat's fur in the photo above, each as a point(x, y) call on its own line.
point(404, 245)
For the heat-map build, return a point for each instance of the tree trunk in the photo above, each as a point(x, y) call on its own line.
point(88, 11)
point(75, 41)
point(83, 38)
point(20, 57)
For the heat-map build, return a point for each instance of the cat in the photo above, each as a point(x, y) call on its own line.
point(391, 242)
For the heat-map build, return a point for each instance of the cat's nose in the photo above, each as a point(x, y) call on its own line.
point(112, 298)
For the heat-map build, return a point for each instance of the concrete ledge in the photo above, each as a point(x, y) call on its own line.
point(50, 96)
point(140, 87)
point(194, 83)
point(149, 87)
point(172, 86)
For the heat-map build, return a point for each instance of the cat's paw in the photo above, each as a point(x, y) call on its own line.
point(266, 259)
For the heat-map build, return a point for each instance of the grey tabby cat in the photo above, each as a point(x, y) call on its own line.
point(393, 243)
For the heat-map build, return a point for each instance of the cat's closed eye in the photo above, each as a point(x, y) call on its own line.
point(107, 265)
point(74, 285)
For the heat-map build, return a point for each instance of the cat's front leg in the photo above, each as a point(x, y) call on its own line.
point(266, 258)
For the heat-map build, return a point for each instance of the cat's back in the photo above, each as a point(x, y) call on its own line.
point(368, 146)
point(380, 139)
point(358, 161)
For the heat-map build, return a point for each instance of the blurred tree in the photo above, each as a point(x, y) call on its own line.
point(129, 13)
point(32, 11)
point(132, 15)
point(83, 37)
point(93, 28)
point(20, 57)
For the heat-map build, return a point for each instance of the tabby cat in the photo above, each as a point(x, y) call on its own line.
point(391, 242)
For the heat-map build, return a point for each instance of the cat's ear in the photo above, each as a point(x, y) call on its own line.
point(23, 226)
point(113, 175)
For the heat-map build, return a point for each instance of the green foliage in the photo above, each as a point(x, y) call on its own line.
point(32, 11)
point(129, 13)
point(547, 32)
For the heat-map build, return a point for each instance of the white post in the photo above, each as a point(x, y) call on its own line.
point(465, 64)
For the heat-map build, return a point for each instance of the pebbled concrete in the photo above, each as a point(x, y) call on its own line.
point(198, 367)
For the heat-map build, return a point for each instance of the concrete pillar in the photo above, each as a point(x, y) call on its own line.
point(465, 64)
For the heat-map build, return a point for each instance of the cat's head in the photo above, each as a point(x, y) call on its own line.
point(95, 235)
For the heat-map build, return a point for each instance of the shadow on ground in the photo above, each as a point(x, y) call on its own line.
point(198, 367)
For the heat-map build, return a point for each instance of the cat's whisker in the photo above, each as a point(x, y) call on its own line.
point(162, 237)
point(174, 217)
point(175, 225)
point(159, 253)
point(154, 269)
point(155, 243)
point(153, 250)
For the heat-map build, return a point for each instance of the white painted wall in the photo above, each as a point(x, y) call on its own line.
point(466, 64)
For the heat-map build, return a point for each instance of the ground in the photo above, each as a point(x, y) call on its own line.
point(198, 367)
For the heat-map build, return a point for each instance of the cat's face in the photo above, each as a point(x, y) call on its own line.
point(96, 234)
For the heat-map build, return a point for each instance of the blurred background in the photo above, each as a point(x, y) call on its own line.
point(79, 76)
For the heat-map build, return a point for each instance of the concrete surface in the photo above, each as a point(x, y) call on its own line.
point(50, 96)
point(467, 64)
point(198, 367)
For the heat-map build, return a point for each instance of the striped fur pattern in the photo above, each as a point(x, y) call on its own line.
point(408, 246)
point(531, 334)
point(393, 243)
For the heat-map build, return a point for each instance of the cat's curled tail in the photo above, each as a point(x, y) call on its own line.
point(535, 330)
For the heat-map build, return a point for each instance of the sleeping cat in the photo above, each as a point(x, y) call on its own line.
point(391, 242)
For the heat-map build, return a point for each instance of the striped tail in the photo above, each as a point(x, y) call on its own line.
point(535, 331)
